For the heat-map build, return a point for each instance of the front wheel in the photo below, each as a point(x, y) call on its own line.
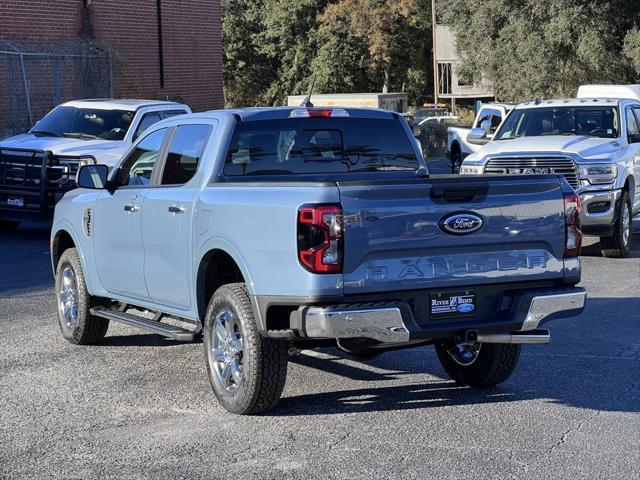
point(247, 372)
point(619, 245)
point(479, 365)
point(77, 324)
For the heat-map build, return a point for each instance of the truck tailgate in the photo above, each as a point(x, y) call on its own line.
point(395, 238)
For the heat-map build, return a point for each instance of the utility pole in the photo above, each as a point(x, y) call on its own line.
point(436, 87)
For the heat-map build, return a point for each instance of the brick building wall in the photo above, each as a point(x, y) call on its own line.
point(191, 41)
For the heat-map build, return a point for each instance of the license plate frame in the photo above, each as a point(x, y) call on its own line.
point(453, 304)
point(15, 202)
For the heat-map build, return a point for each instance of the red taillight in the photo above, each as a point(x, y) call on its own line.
point(572, 235)
point(320, 113)
point(320, 238)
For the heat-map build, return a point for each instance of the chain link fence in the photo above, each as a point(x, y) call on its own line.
point(34, 79)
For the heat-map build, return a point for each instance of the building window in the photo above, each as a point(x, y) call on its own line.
point(444, 74)
point(464, 79)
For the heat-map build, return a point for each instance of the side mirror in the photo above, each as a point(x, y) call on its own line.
point(478, 136)
point(93, 177)
point(486, 125)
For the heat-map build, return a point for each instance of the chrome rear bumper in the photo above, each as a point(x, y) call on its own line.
point(384, 324)
point(392, 324)
point(544, 306)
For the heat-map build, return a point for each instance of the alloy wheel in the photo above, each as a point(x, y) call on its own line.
point(626, 224)
point(464, 354)
point(68, 297)
point(226, 351)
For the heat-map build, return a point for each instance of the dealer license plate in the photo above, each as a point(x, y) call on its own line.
point(453, 304)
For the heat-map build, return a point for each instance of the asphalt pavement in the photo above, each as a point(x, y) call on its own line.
point(139, 406)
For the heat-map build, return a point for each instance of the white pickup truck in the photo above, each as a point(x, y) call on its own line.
point(38, 167)
point(592, 140)
point(489, 117)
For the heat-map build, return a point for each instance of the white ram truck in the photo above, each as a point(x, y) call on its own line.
point(593, 141)
point(37, 168)
point(489, 117)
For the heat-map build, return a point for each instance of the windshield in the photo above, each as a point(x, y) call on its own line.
point(536, 122)
point(309, 145)
point(85, 123)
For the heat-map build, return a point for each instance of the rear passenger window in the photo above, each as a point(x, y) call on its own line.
point(184, 153)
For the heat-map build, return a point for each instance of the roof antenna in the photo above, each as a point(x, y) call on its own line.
point(306, 103)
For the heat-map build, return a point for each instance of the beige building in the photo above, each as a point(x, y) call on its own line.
point(395, 102)
point(450, 83)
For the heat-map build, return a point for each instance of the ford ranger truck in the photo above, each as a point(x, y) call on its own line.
point(593, 142)
point(40, 166)
point(271, 230)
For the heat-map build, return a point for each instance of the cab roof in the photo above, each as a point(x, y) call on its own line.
point(631, 92)
point(281, 113)
point(117, 104)
point(570, 102)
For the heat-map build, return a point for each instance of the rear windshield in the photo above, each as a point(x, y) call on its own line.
point(318, 145)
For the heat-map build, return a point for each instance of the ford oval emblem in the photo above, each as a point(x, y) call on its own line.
point(461, 223)
point(465, 307)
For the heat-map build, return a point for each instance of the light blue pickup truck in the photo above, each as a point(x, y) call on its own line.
point(272, 230)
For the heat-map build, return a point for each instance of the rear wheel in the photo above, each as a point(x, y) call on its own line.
point(247, 371)
point(77, 324)
point(478, 365)
point(619, 245)
point(8, 225)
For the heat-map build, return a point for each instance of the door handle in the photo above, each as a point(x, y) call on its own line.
point(175, 209)
point(131, 208)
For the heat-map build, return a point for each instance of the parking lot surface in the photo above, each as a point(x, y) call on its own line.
point(139, 406)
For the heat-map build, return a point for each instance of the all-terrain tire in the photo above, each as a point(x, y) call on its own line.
point(619, 245)
point(263, 360)
point(86, 329)
point(494, 364)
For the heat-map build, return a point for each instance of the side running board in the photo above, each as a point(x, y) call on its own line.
point(164, 329)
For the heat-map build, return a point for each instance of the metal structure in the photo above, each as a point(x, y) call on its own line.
point(448, 82)
point(34, 79)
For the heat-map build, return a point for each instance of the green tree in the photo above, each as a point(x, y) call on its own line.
point(392, 31)
point(273, 48)
point(288, 41)
point(247, 72)
point(542, 48)
point(631, 49)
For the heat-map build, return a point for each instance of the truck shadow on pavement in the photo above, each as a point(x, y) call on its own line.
point(25, 259)
point(597, 371)
point(592, 248)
